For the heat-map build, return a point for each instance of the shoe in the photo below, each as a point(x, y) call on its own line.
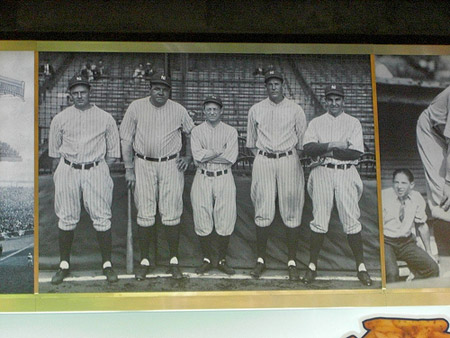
point(224, 267)
point(364, 278)
point(59, 276)
point(175, 271)
point(141, 272)
point(258, 270)
point(294, 273)
point(310, 276)
point(110, 274)
point(205, 267)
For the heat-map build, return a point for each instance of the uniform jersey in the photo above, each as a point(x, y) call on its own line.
point(83, 136)
point(276, 127)
point(155, 131)
point(327, 128)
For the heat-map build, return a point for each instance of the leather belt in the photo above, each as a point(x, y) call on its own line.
point(214, 173)
point(338, 166)
point(157, 159)
point(275, 155)
point(83, 166)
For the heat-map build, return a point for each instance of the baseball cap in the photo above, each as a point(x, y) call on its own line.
point(334, 89)
point(214, 99)
point(78, 80)
point(273, 74)
point(161, 79)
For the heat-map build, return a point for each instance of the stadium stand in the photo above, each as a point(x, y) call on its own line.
point(232, 76)
point(16, 211)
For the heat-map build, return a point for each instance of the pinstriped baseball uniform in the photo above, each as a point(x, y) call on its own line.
point(433, 135)
point(214, 197)
point(83, 137)
point(156, 132)
point(326, 184)
point(277, 128)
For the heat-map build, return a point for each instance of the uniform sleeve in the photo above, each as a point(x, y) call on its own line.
point(198, 152)
point(232, 149)
point(187, 122)
point(420, 216)
point(310, 135)
point(252, 133)
point(112, 138)
point(447, 108)
point(55, 138)
point(356, 137)
point(128, 125)
point(300, 127)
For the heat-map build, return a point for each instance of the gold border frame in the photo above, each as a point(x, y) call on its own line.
point(221, 299)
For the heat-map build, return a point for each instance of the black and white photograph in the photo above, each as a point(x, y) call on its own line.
point(16, 172)
point(206, 172)
point(413, 97)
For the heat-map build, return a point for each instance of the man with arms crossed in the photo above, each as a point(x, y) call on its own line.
point(274, 134)
point(213, 195)
point(83, 139)
point(151, 142)
point(335, 138)
point(403, 210)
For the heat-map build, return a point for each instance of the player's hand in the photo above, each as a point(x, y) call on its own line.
point(130, 177)
point(445, 201)
point(183, 162)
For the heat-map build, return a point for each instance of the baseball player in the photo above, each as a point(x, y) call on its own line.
point(403, 212)
point(433, 137)
point(151, 143)
point(83, 138)
point(274, 134)
point(30, 259)
point(213, 194)
point(336, 139)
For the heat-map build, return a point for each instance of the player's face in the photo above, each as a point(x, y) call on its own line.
point(80, 95)
point(274, 88)
point(213, 112)
point(334, 104)
point(402, 185)
point(159, 94)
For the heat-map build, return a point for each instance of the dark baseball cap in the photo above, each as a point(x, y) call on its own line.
point(78, 80)
point(213, 98)
point(334, 89)
point(161, 79)
point(273, 74)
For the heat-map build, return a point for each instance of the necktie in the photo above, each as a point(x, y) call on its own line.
point(401, 214)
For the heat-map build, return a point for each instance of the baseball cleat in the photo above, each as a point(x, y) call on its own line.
point(364, 278)
point(224, 267)
point(59, 276)
point(258, 270)
point(294, 273)
point(110, 274)
point(141, 272)
point(175, 271)
point(205, 267)
point(310, 276)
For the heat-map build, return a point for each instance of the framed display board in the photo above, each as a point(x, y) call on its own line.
point(318, 176)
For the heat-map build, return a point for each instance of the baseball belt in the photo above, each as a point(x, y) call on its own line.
point(275, 155)
point(214, 173)
point(338, 166)
point(81, 166)
point(157, 159)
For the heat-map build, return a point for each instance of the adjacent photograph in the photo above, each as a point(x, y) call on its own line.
point(413, 94)
point(16, 172)
point(206, 172)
